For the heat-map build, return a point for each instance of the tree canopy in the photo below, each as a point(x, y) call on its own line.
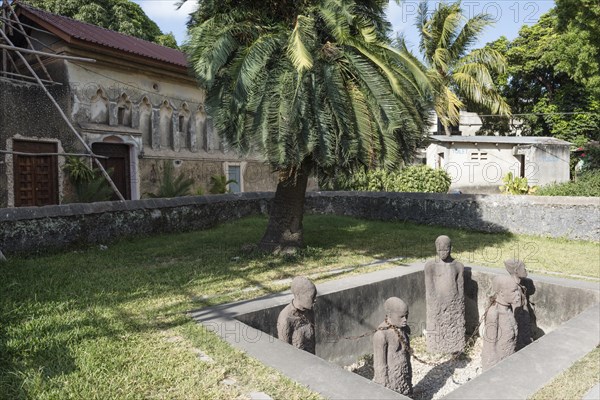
point(578, 44)
point(314, 86)
point(545, 79)
point(307, 82)
point(121, 16)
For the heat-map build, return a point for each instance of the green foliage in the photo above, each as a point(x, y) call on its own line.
point(587, 184)
point(516, 185)
point(89, 184)
point(78, 169)
point(553, 72)
point(96, 189)
point(578, 44)
point(219, 184)
point(123, 16)
point(422, 178)
point(460, 76)
point(171, 186)
point(167, 40)
point(416, 178)
point(591, 156)
point(311, 85)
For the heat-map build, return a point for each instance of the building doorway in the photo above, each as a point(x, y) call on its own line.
point(117, 165)
point(35, 176)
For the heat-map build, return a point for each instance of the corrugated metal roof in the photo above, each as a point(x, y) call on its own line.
point(104, 37)
point(499, 139)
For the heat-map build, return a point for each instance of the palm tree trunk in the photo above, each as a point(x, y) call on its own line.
point(447, 130)
point(284, 231)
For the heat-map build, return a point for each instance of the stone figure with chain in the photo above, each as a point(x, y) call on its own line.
point(391, 349)
point(296, 322)
point(445, 299)
point(524, 315)
point(500, 327)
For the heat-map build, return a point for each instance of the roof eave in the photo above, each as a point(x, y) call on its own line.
point(103, 49)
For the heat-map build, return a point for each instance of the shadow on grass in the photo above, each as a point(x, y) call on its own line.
point(55, 303)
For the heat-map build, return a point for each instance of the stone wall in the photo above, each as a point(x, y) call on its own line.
point(570, 217)
point(32, 230)
point(40, 229)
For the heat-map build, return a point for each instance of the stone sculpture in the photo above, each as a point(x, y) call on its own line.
point(296, 322)
point(391, 344)
point(444, 293)
point(524, 315)
point(500, 326)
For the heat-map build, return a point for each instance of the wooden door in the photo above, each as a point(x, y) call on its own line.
point(35, 176)
point(117, 165)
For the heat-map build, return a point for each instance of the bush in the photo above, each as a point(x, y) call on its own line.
point(587, 184)
point(219, 184)
point(89, 184)
point(417, 178)
point(516, 185)
point(421, 178)
point(171, 186)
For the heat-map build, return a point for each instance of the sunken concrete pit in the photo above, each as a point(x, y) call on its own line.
point(568, 316)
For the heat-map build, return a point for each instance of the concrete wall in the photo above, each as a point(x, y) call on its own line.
point(51, 228)
point(469, 124)
point(527, 370)
point(340, 316)
point(550, 163)
point(338, 313)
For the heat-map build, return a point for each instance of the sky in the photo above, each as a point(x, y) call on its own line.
point(508, 16)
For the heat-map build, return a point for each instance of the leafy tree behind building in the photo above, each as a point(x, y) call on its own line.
point(122, 16)
point(553, 75)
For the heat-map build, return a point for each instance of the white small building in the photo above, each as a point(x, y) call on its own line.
point(477, 164)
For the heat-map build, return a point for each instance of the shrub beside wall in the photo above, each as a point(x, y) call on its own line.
point(587, 184)
point(414, 178)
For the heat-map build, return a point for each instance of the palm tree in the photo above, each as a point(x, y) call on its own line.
point(314, 86)
point(459, 75)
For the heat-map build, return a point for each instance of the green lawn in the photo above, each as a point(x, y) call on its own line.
point(111, 324)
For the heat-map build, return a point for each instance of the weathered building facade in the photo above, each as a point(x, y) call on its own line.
point(477, 164)
point(137, 105)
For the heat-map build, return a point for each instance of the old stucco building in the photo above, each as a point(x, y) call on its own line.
point(137, 104)
point(477, 164)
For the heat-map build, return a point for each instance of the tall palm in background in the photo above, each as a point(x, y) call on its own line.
point(458, 75)
point(314, 86)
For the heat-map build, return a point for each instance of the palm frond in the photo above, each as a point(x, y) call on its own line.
point(469, 34)
point(300, 41)
point(492, 59)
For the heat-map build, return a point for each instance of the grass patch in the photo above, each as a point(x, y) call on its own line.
point(100, 324)
point(575, 382)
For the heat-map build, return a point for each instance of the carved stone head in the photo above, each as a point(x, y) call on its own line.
point(443, 247)
point(304, 292)
point(516, 268)
point(507, 291)
point(396, 311)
